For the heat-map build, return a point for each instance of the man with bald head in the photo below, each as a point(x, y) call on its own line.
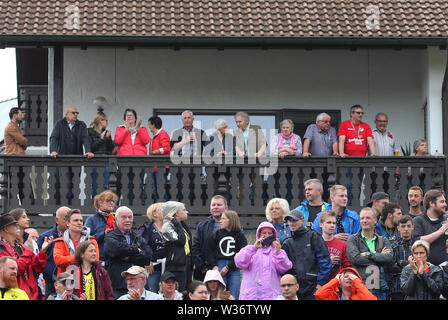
point(289, 287)
point(56, 232)
point(69, 136)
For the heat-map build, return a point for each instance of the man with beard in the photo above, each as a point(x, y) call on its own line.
point(204, 232)
point(135, 281)
point(8, 280)
point(431, 225)
point(415, 199)
point(15, 142)
point(314, 203)
point(28, 263)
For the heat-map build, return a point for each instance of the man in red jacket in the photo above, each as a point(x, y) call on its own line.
point(28, 263)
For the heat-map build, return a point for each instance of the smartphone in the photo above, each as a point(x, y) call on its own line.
point(268, 240)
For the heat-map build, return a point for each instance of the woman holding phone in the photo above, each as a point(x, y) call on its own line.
point(262, 263)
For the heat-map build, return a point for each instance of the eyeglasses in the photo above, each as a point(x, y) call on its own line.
point(289, 285)
point(358, 112)
point(325, 121)
point(275, 208)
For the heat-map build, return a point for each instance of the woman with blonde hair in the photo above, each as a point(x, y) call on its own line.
point(216, 286)
point(151, 232)
point(420, 279)
point(224, 245)
point(276, 210)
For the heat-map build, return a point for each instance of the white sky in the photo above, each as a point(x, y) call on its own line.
point(8, 76)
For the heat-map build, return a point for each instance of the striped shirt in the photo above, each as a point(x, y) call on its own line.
point(384, 144)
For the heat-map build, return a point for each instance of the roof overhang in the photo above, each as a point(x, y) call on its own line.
point(177, 42)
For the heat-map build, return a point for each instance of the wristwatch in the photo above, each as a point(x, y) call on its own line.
point(369, 255)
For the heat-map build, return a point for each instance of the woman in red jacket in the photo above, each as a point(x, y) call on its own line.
point(347, 285)
point(132, 139)
point(28, 263)
point(92, 281)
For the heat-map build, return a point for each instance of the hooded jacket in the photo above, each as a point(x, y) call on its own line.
point(331, 290)
point(64, 249)
point(350, 222)
point(28, 264)
point(216, 275)
point(311, 259)
point(262, 269)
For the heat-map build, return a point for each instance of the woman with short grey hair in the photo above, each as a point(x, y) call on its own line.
point(286, 143)
point(221, 141)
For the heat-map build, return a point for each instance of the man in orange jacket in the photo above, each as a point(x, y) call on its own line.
point(65, 246)
point(347, 285)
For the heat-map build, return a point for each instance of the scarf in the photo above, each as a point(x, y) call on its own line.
point(109, 217)
point(85, 235)
point(281, 141)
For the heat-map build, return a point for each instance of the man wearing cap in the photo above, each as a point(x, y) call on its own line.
point(377, 202)
point(64, 285)
point(135, 281)
point(309, 254)
point(347, 221)
point(8, 280)
point(168, 287)
point(29, 264)
point(123, 248)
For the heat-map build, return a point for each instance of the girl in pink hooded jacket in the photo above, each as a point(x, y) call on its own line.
point(262, 266)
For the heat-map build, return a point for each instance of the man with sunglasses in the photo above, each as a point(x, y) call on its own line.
point(69, 135)
point(355, 136)
point(320, 138)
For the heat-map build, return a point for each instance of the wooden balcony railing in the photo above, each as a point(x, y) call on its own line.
point(42, 184)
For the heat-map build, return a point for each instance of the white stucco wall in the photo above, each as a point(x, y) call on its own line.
point(381, 80)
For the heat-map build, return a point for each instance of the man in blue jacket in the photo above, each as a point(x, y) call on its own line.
point(309, 255)
point(314, 203)
point(347, 221)
point(201, 254)
point(56, 232)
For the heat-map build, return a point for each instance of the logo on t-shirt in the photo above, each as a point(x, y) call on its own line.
point(227, 246)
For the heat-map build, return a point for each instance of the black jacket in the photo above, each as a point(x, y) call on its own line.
point(66, 142)
point(311, 259)
point(202, 256)
point(176, 259)
point(98, 145)
point(116, 248)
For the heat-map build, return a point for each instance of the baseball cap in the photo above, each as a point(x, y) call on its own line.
point(134, 270)
point(377, 196)
point(168, 275)
point(295, 214)
point(64, 276)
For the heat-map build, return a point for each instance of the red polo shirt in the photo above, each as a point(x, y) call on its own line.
point(355, 137)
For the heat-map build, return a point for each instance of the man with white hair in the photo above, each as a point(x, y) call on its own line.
point(320, 138)
point(56, 232)
point(135, 280)
point(188, 140)
point(250, 139)
point(123, 248)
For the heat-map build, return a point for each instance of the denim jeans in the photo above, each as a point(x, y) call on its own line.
point(232, 278)
point(153, 281)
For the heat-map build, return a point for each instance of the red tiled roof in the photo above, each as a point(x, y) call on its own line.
point(227, 18)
